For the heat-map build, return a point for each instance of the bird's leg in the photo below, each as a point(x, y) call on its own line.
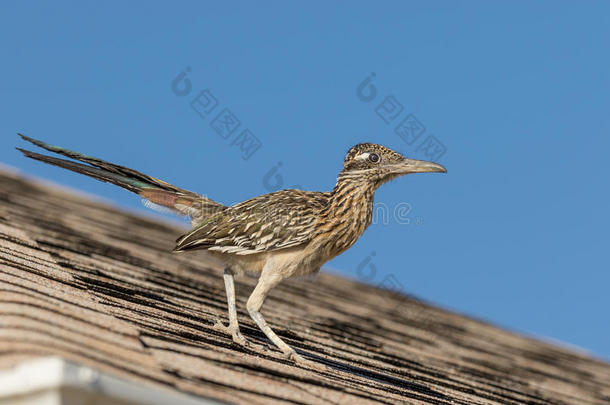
point(265, 283)
point(233, 328)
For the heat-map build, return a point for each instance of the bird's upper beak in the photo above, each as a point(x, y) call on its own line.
point(408, 166)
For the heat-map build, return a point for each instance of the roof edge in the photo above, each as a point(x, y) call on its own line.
point(46, 374)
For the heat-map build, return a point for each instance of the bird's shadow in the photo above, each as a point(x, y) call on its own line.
point(257, 336)
point(374, 376)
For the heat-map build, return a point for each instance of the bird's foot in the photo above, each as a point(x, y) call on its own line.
point(219, 326)
point(233, 331)
point(303, 362)
point(239, 338)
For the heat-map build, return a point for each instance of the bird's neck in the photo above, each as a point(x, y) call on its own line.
point(348, 213)
point(353, 192)
point(347, 188)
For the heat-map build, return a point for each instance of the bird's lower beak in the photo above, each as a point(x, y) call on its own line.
point(419, 166)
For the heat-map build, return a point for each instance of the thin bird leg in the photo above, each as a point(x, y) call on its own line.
point(233, 328)
point(266, 282)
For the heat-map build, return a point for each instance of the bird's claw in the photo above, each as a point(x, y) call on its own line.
point(301, 361)
point(233, 331)
point(219, 326)
point(239, 338)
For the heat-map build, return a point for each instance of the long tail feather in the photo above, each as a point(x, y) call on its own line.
point(158, 192)
point(107, 166)
point(130, 184)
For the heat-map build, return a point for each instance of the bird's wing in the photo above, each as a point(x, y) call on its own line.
point(268, 222)
point(158, 192)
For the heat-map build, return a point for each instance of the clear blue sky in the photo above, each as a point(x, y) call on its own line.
point(517, 93)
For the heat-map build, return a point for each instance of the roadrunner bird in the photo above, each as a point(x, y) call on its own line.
point(277, 235)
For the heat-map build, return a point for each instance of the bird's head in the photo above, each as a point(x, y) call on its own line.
point(376, 164)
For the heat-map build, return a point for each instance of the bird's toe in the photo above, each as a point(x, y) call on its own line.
point(240, 339)
point(219, 326)
point(306, 363)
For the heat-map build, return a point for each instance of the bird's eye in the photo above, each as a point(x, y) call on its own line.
point(373, 157)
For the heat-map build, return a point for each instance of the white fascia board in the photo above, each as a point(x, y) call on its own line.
point(53, 374)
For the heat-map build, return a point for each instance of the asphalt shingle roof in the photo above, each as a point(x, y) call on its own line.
point(99, 286)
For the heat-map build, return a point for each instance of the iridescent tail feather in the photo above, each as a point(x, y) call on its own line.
point(159, 192)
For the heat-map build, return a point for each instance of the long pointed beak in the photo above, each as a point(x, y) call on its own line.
point(419, 166)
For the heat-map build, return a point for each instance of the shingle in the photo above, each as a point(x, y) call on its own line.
point(99, 286)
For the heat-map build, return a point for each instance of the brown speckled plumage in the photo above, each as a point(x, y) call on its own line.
point(278, 235)
point(268, 222)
